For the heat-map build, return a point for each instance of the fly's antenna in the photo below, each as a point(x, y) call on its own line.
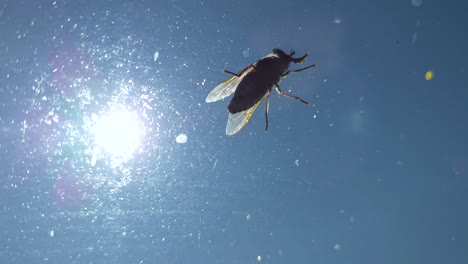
point(292, 53)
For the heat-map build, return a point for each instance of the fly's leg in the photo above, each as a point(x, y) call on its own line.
point(289, 95)
point(298, 60)
point(233, 73)
point(266, 111)
point(297, 70)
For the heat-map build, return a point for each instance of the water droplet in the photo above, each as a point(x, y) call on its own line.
point(416, 3)
point(156, 56)
point(181, 138)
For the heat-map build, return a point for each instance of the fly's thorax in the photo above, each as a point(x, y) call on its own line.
point(273, 66)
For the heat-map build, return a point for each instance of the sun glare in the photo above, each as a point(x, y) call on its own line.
point(119, 134)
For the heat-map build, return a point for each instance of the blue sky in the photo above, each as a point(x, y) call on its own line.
point(94, 167)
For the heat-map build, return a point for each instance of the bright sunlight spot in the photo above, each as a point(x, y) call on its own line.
point(118, 133)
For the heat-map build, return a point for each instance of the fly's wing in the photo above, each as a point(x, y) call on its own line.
point(224, 89)
point(228, 86)
point(238, 120)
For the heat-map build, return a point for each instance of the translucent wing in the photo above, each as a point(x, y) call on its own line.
point(228, 86)
point(223, 89)
point(238, 120)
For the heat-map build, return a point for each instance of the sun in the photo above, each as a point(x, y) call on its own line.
point(118, 133)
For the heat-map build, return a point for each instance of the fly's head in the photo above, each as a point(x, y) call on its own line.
point(281, 54)
point(289, 57)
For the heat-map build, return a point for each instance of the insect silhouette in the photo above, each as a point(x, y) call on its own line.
point(252, 84)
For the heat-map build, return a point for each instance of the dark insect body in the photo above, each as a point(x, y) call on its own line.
point(252, 84)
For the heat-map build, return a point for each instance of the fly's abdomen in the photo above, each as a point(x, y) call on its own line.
point(250, 90)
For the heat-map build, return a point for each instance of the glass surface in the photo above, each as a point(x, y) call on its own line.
point(110, 154)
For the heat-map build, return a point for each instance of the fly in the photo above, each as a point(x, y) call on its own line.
point(252, 84)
